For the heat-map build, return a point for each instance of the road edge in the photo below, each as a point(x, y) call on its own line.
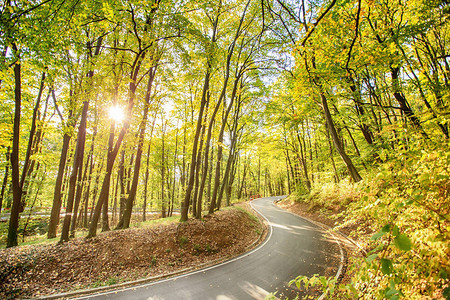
point(344, 257)
point(263, 237)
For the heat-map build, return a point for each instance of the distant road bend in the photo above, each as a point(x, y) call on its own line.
point(293, 247)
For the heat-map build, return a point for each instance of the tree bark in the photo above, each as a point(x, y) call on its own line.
point(197, 199)
point(404, 106)
point(31, 141)
point(337, 142)
point(5, 178)
point(111, 157)
point(57, 197)
point(187, 197)
point(126, 218)
point(163, 167)
point(190, 186)
point(15, 176)
point(77, 162)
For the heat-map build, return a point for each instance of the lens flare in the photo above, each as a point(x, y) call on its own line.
point(116, 113)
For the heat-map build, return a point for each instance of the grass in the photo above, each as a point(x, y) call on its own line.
point(252, 216)
point(160, 221)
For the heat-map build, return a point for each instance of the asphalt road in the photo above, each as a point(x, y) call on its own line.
point(294, 246)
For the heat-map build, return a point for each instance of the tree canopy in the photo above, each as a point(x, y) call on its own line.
point(113, 109)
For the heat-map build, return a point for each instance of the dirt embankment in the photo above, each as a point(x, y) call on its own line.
point(125, 255)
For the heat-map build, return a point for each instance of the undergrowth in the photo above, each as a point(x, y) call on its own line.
point(402, 212)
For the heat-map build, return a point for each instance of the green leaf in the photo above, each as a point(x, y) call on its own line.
point(443, 274)
point(395, 231)
point(391, 293)
point(403, 242)
point(370, 258)
point(376, 236)
point(446, 293)
point(386, 228)
point(386, 266)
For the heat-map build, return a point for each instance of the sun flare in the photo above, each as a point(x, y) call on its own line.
point(116, 113)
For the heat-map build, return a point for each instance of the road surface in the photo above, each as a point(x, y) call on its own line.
point(294, 246)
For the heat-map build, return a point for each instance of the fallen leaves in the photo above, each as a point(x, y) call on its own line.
point(124, 255)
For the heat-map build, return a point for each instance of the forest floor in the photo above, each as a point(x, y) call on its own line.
point(125, 255)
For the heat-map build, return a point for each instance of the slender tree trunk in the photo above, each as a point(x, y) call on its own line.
point(126, 218)
point(111, 158)
point(122, 199)
point(116, 191)
point(5, 178)
point(95, 189)
point(147, 168)
point(243, 180)
point(163, 167)
point(287, 171)
point(187, 198)
point(333, 132)
point(78, 194)
point(214, 199)
point(15, 176)
point(77, 162)
point(89, 177)
point(191, 179)
point(31, 138)
point(404, 106)
point(197, 199)
point(174, 171)
point(303, 161)
point(334, 135)
point(57, 198)
point(211, 163)
point(147, 164)
point(232, 149)
point(112, 130)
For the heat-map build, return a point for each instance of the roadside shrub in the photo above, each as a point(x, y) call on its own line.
point(402, 209)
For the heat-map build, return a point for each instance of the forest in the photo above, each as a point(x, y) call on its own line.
point(113, 112)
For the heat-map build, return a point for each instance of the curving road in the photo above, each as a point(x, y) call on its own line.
point(294, 246)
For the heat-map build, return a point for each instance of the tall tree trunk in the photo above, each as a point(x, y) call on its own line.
point(116, 191)
point(89, 178)
point(232, 147)
point(242, 181)
point(77, 162)
point(148, 167)
point(211, 164)
point(174, 172)
point(126, 218)
point(197, 199)
point(187, 197)
point(287, 171)
point(111, 157)
point(163, 167)
point(77, 200)
point(221, 98)
point(57, 197)
point(191, 179)
point(31, 140)
point(404, 106)
point(122, 198)
point(337, 142)
point(112, 130)
point(15, 176)
point(144, 206)
point(301, 142)
point(5, 178)
point(214, 198)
